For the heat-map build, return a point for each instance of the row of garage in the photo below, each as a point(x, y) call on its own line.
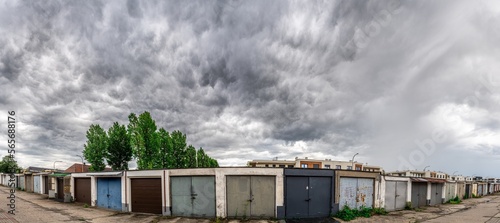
point(249, 192)
point(227, 192)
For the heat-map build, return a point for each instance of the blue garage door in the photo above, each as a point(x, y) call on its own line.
point(109, 193)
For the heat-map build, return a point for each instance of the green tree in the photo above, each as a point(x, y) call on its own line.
point(144, 140)
point(165, 158)
point(178, 149)
point(9, 165)
point(119, 151)
point(95, 149)
point(190, 159)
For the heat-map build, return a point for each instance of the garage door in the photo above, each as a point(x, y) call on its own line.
point(450, 191)
point(251, 196)
point(395, 195)
point(308, 197)
point(82, 190)
point(60, 188)
point(146, 195)
point(29, 183)
point(36, 185)
point(418, 194)
point(356, 192)
point(109, 193)
point(193, 196)
point(436, 193)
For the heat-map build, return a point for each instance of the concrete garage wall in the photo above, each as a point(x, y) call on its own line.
point(220, 182)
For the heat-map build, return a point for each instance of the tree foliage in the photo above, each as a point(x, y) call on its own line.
point(9, 165)
point(144, 140)
point(152, 148)
point(96, 147)
point(119, 151)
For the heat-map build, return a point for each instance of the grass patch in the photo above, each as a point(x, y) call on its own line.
point(455, 200)
point(348, 214)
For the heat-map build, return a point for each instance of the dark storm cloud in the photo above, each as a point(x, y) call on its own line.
point(265, 78)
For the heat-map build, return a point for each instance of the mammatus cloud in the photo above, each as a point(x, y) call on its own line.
point(256, 80)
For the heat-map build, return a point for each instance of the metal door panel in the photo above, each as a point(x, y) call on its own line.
point(204, 194)
point(82, 190)
point(418, 194)
point(181, 196)
point(102, 192)
point(365, 193)
point(479, 190)
point(296, 197)
point(390, 195)
point(401, 191)
point(263, 196)
point(115, 194)
point(21, 182)
point(319, 195)
point(146, 195)
point(36, 184)
point(433, 194)
point(348, 188)
point(238, 196)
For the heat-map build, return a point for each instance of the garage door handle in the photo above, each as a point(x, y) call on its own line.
point(194, 194)
point(250, 200)
point(308, 199)
point(193, 198)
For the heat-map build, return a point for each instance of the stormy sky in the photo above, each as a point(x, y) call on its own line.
point(404, 84)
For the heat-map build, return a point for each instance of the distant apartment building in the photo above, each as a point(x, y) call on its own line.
point(416, 173)
point(314, 164)
point(458, 178)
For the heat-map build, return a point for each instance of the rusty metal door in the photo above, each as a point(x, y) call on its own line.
point(348, 191)
point(479, 190)
point(356, 192)
point(251, 196)
point(418, 194)
point(193, 196)
point(365, 193)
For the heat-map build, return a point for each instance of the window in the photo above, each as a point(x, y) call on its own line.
point(274, 165)
point(316, 166)
point(290, 166)
point(303, 165)
point(267, 165)
point(327, 166)
point(358, 168)
point(282, 166)
point(349, 167)
point(338, 167)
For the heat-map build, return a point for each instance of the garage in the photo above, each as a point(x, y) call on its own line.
point(436, 193)
point(479, 190)
point(308, 193)
point(36, 184)
point(60, 188)
point(109, 193)
point(28, 178)
point(418, 194)
point(450, 191)
point(146, 195)
point(46, 185)
point(395, 195)
point(82, 190)
point(251, 196)
point(193, 196)
point(356, 192)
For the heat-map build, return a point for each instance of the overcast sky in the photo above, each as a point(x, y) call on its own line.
point(405, 85)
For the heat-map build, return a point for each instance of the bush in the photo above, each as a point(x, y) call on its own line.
point(348, 214)
point(455, 200)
